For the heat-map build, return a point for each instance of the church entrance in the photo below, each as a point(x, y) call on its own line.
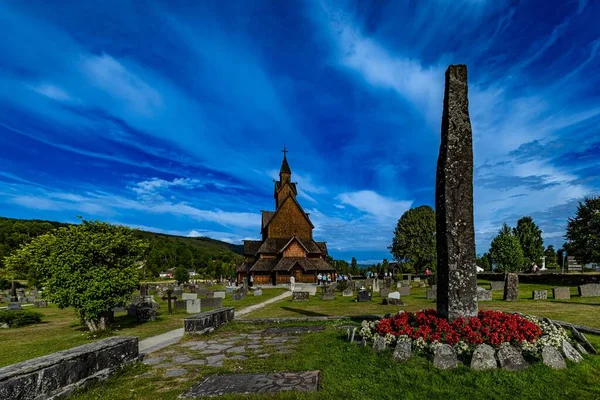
point(297, 275)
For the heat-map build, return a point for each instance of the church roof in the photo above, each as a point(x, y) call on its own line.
point(251, 247)
point(285, 167)
point(287, 263)
point(290, 242)
point(264, 265)
point(266, 217)
point(321, 264)
point(278, 186)
point(242, 268)
point(299, 206)
point(323, 247)
point(274, 246)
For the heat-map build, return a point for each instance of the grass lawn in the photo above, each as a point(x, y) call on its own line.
point(582, 311)
point(60, 329)
point(353, 372)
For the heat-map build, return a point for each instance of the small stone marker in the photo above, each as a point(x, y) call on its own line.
point(363, 295)
point(348, 293)
point(511, 359)
point(215, 302)
point(431, 294)
point(229, 289)
point(258, 292)
point(589, 290)
point(497, 285)
point(219, 295)
point(569, 352)
point(392, 302)
point(552, 358)
point(484, 358)
point(539, 294)
point(300, 296)
point(403, 351)
point(375, 285)
point(43, 304)
point(218, 385)
point(445, 357)
point(379, 344)
point(484, 295)
point(561, 293)
point(13, 306)
point(404, 291)
point(193, 306)
point(189, 296)
point(394, 295)
point(511, 287)
point(181, 304)
point(384, 292)
point(238, 295)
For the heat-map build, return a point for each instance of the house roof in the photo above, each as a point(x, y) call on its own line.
point(264, 265)
point(274, 246)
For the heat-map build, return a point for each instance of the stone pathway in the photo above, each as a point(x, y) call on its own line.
point(158, 342)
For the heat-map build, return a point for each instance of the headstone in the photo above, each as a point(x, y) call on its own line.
point(394, 295)
point(444, 357)
point(213, 302)
point(228, 289)
point(405, 282)
point(384, 292)
point(143, 308)
point(552, 358)
point(379, 344)
point(376, 285)
point(178, 292)
point(561, 293)
point(483, 294)
point(404, 291)
point(258, 292)
point(348, 293)
point(219, 294)
point(403, 351)
point(181, 304)
point(455, 229)
point(13, 293)
point(497, 285)
point(363, 295)
point(484, 358)
point(431, 294)
point(43, 304)
point(238, 295)
point(189, 296)
point(312, 290)
point(193, 306)
point(300, 296)
point(580, 348)
point(416, 279)
point(581, 338)
point(202, 290)
point(511, 359)
point(368, 282)
point(589, 290)
point(392, 302)
point(569, 352)
point(209, 294)
point(539, 294)
point(387, 283)
point(434, 287)
point(328, 293)
point(13, 306)
point(511, 287)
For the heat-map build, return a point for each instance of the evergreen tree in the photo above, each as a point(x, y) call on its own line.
point(181, 274)
point(551, 260)
point(530, 237)
point(506, 252)
point(583, 231)
point(414, 239)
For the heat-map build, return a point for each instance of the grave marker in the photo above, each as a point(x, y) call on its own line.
point(561, 293)
point(511, 287)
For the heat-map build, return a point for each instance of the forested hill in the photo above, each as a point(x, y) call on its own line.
point(205, 255)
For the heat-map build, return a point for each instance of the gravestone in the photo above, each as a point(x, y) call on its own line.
point(589, 290)
point(189, 296)
point(376, 285)
point(300, 296)
point(416, 279)
point(40, 304)
point(497, 285)
point(405, 282)
point(384, 292)
point(209, 294)
point(387, 283)
point(569, 352)
point(561, 293)
point(539, 294)
point(348, 293)
point(178, 292)
point(455, 230)
point(379, 344)
point(258, 292)
point(328, 293)
point(181, 304)
point(238, 295)
point(368, 282)
point(143, 308)
point(589, 348)
point(218, 385)
point(13, 306)
point(403, 351)
point(228, 289)
point(511, 287)
point(202, 290)
point(404, 291)
point(392, 302)
point(394, 295)
point(431, 294)
point(484, 358)
point(219, 294)
point(484, 295)
point(193, 306)
point(213, 302)
point(363, 295)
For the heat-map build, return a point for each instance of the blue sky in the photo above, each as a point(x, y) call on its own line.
point(170, 116)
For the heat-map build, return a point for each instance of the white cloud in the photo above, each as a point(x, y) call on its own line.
point(156, 184)
point(51, 91)
point(372, 203)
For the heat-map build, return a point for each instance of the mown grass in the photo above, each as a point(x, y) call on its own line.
point(353, 372)
point(583, 311)
point(60, 329)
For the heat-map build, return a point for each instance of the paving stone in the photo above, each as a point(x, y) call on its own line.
point(240, 357)
point(215, 361)
point(162, 366)
point(254, 346)
point(239, 349)
point(219, 347)
point(208, 352)
point(153, 361)
point(217, 385)
point(263, 355)
point(194, 343)
point(171, 373)
point(293, 330)
point(182, 358)
point(196, 362)
point(552, 358)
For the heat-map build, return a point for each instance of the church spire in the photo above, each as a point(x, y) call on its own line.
point(285, 170)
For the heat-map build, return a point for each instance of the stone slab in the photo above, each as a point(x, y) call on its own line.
point(189, 296)
point(13, 307)
point(363, 295)
point(589, 290)
point(394, 295)
point(497, 285)
point(218, 385)
point(328, 296)
point(219, 295)
point(561, 293)
point(289, 330)
point(539, 294)
point(431, 294)
point(258, 292)
point(511, 359)
point(193, 306)
point(484, 295)
point(348, 293)
point(484, 358)
point(205, 321)
point(404, 290)
point(213, 302)
point(300, 296)
point(392, 302)
point(511, 287)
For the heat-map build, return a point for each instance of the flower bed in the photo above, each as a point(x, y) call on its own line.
point(425, 330)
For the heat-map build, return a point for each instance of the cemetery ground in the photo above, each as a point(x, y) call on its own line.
point(348, 370)
point(60, 329)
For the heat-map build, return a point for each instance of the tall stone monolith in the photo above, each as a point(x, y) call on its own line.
point(455, 232)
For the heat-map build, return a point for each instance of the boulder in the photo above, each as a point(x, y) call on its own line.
point(445, 357)
point(552, 358)
point(379, 344)
point(402, 352)
point(569, 352)
point(589, 348)
point(483, 295)
point(484, 358)
point(511, 359)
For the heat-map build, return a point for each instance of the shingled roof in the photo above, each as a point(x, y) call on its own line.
point(266, 217)
point(285, 167)
point(278, 186)
point(251, 247)
point(321, 264)
point(299, 206)
point(323, 247)
point(264, 265)
point(287, 263)
point(242, 268)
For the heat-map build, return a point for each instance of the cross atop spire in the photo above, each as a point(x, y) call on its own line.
point(284, 151)
point(285, 168)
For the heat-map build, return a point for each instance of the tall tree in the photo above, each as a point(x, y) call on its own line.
point(583, 231)
point(414, 239)
point(484, 262)
point(551, 260)
point(506, 252)
point(181, 274)
point(530, 237)
point(91, 267)
point(385, 265)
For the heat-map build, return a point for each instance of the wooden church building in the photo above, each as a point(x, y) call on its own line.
point(287, 247)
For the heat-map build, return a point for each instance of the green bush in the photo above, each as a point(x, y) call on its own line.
point(15, 318)
point(6, 284)
point(342, 285)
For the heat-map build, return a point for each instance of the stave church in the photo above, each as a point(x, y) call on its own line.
point(287, 247)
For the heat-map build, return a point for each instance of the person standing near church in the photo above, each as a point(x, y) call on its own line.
point(292, 283)
point(319, 277)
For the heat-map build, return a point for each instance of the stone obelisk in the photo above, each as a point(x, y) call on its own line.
point(455, 231)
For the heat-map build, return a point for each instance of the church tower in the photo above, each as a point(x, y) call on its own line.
point(284, 187)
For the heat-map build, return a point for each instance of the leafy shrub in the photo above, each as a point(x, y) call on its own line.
point(342, 285)
point(6, 284)
point(15, 318)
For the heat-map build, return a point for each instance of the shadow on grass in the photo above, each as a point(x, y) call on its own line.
point(304, 312)
point(574, 302)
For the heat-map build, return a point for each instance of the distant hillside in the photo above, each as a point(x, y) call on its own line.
point(206, 255)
